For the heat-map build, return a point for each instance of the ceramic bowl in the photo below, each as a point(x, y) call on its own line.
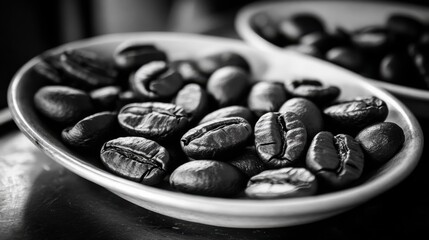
point(238, 213)
point(349, 15)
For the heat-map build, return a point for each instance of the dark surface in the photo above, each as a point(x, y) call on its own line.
point(39, 199)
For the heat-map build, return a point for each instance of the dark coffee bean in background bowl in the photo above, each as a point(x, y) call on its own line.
point(216, 139)
point(266, 97)
point(280, 139)
point(154, 120)
point(208, 178)
point(337, 160)
point(346, 57)
point(381, 141)
point(137, 159)
point(282, 183)
point(298, 25)
point(64, 105)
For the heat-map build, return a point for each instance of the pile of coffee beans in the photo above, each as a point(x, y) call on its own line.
point(204, 126)
point(396, 51)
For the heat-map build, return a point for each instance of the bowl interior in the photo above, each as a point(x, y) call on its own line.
point(265, 66)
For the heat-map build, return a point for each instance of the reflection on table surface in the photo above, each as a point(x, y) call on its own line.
point(39, 199)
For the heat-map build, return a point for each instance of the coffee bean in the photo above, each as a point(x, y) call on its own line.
point(64, 105)
point(208, 178)
point(266, 27)
point(280, 139)
point(228, 85)
point(282, 183)
point(194, 100)
point(106, 98)
point(346, 57)
point(208, 64)
point(355, 114)
point(312, 89)
point(189, 72)
point(156, 81)
point(137, 159)
point(381, 141)
point(337, 160)
point(86, 70)
point(217, 138)
point(298, 25)
point(248, 162)
point(153, 120)
point(230, 111)
point(266, 97)
point(405, 27)
point(132, 54)
point(307, 112)
point(92, 131)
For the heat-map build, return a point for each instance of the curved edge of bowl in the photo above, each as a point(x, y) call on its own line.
point(320, 205)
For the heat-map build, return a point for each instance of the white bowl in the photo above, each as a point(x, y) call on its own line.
point(349, 15)
point(243, 213)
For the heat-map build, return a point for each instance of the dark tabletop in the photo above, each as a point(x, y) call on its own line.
point(40, 199)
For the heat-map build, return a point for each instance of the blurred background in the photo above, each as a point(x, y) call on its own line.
point(30, 27)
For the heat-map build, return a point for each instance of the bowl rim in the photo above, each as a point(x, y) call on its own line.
point(249, 35)
point(323, 203)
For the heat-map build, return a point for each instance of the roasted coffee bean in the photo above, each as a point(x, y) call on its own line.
point(355, 114)
point(189, 72)
point(405, 27)
point(210, 63)
point(312, 89)
point(217, 138)
point(374, 44)
point(337, 160)
point(307, 112)
point(49, 67)
point(346, 57)
point(381, 141)
point(86, 70)
point(321, 41)
point(137, 159)
point(399, 68)
point(208, 178)
point(230, 111)
point(156, 81)
point(267, 28)
point(132, 54)
point(421, 61)
point(282, 183)
point(248, 162)
point(280, 139)
point(128, 96)
point(298, 25)
point(153, 120)
point(266, 97)
point(106, 98)
point(228, 85)
point(92, 131)
point(194, 100)
point(64, 105)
